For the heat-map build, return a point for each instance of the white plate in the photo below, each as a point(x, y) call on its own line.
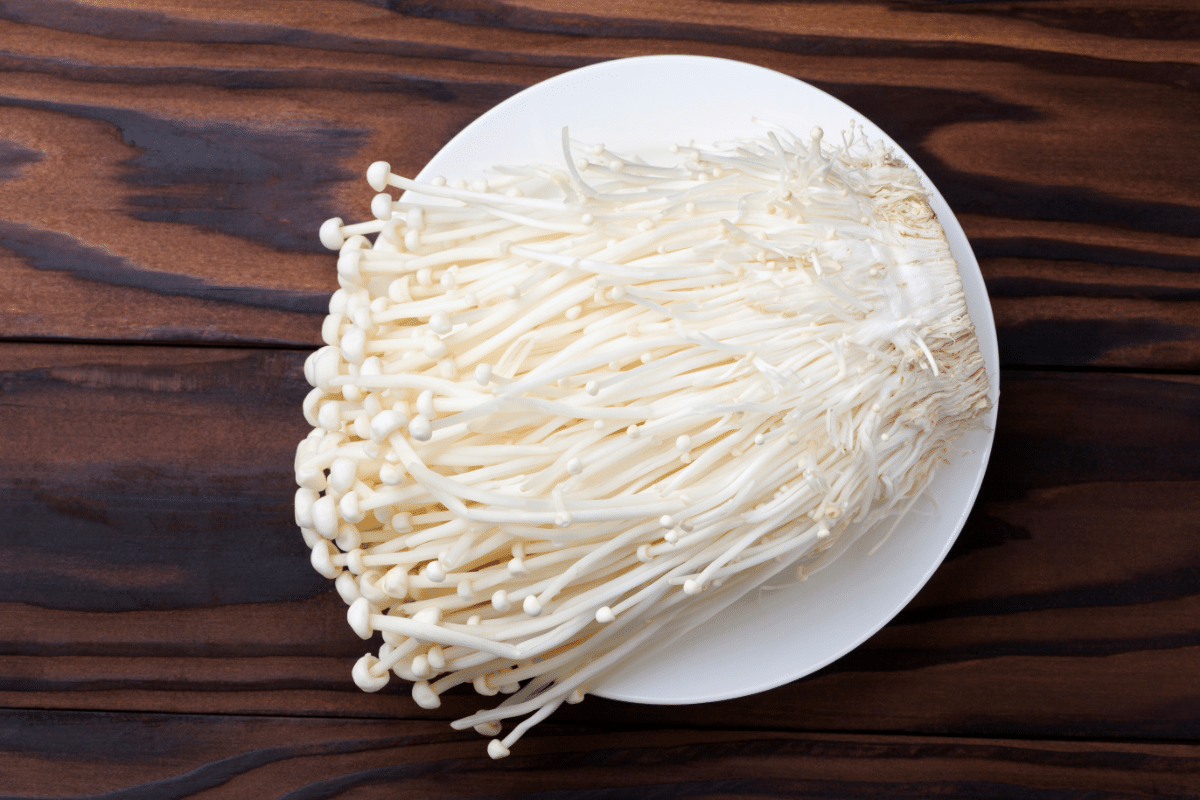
point(642, 105)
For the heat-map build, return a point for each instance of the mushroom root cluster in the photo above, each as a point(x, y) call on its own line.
point(568, 412)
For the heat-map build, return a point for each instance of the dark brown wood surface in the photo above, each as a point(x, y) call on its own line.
point(164, 167)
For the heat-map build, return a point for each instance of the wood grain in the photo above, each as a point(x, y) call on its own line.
point(185, 757)
point(164, 166)
point(211, 150)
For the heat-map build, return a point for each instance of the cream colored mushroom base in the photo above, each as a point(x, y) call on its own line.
point(569, 412)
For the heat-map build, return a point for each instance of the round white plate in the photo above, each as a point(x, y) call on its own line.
point(643, 105)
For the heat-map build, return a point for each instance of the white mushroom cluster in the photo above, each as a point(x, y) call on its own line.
point(568, 412)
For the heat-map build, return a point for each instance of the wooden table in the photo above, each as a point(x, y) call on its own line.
point(164, 167)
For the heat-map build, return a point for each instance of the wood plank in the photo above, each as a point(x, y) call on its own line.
point(1071, 28)
point(1030, 674)
point(169, 576)
point(155, 477)
point(163, 168)
point(215, 147)
point(169, 756)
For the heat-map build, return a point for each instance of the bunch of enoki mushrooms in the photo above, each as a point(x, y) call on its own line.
point(569, 412)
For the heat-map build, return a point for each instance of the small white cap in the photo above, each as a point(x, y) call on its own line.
point(420, 429)
point(390, 474)
point(325, 517)
point(348, 537)
point(371, 586)
point(500, 600)
point(425, 403)
point(377, 175)
point(383, 425)
point(381, 206)
point(437, 658)
point(354, 345)
point(322, 559)
point(424, 695)
point(359, 617)
point(395, 582)
point(364, 678)
point(348, 508)
point(433, 347)
point(342, 473)
point(329, 415)
point(347, 587)
point(304, 503)
point(331, 233)
point(420, 666)
point(326, 365)
point(497, 750)
point(431, 615)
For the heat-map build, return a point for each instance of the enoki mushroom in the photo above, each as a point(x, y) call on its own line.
point(566, 413)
